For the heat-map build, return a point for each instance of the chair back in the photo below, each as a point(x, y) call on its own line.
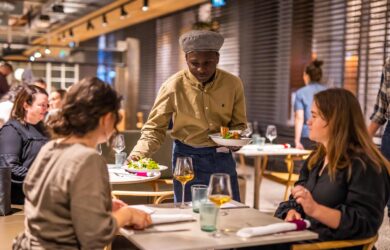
point(367, 244)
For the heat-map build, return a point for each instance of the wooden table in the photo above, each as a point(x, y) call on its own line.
point(11, 226)
point(190, 236)
point(261, 156)
point(121, 176)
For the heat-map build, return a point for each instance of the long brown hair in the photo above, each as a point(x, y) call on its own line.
point(26, 95)
point(348, 134)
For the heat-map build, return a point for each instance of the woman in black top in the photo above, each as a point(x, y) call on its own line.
point(23, 135)
point(344, 185)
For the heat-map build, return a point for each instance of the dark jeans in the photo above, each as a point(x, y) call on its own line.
point(206, 161)
point(385, 149)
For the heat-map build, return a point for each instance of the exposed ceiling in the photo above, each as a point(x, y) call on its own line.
point(58, 23)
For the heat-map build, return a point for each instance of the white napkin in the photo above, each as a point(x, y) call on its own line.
point(276, 146)
point(269, 229)
point(169, 218)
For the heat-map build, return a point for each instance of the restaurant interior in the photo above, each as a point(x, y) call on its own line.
point(134, 46)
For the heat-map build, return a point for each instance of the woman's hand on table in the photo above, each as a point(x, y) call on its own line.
point(292, 215)
point(116, 204)
point(305, 199)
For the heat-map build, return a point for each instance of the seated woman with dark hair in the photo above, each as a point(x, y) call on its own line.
point(344, 185)
point(23, 135)
point(68, 198)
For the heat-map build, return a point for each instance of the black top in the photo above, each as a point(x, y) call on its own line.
point(19, 145)
point(361, 199)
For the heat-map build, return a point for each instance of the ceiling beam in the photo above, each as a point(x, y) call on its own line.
point(112, 11)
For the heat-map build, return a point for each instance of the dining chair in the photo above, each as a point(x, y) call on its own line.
point(157, 195)
point(367, 244)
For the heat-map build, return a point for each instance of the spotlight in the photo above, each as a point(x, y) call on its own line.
point(90, 25)
point(71, 32)
point(32, 58)
point(47, 51)
point(37, 54)
point(104, 20)
point(123, 12)
point(145, 7)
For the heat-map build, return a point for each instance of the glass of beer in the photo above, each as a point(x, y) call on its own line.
point(184, 172)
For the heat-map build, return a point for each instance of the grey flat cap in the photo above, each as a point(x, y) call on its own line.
point(201, 40)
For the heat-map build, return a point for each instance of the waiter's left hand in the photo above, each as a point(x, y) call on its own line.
point(305, 199)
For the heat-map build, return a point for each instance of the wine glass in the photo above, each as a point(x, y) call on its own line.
point(248, 131)
point(118, 143)
point(184, 172)
point(219, 192)
point(271, 133)
point(99, 149)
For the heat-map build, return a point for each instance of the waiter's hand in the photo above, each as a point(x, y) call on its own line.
point(234, 148)
point(133, 158)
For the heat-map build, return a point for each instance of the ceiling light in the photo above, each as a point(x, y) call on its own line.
point(104, 20)
point(90, 25)
point(123, 12)
point(32, 58)
point(71, 32)
point(47, 51)
point(37, 54)
point(145, 7)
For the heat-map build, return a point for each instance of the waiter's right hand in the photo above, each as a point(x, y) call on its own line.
point(133, 158)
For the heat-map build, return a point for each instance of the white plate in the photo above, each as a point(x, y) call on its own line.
point(143, 170)
point(217, 138)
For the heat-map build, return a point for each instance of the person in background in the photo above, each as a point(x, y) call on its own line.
point(344, 185)
point(56, 101)
point(199, 100)
point(23, 135)
point(40, 83)
point(381, 114)
point(303, 100)
point(5, 70)
point(7, 102)
point(68, 197)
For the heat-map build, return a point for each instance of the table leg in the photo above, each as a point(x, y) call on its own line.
point(257, 181)
point(290, 169)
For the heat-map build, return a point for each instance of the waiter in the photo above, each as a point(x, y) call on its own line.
point(199, 100)
point(5, 70)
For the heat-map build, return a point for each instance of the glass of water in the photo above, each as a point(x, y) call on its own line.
point(271, 133)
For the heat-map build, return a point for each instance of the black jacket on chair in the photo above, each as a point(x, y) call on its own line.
point(19, 145)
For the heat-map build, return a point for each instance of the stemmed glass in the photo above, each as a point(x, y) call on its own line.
point(118, 143)
point(184, 172)
point(219, 192)
point(99, 149)
point(271, 133)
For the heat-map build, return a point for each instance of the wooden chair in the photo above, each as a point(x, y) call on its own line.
point(367, 244)
point(158, 196)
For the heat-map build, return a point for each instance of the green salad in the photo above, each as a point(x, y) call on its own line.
point(147, 163)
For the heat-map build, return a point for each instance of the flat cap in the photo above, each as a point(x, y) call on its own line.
point(201, 40)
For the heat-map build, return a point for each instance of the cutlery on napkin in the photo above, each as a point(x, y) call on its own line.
point(295, 225)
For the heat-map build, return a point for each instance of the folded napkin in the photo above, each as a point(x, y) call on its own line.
point(169, 218)
point(276, 146)
point(295, 225)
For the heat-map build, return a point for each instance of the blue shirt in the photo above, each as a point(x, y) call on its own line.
point(303, 100)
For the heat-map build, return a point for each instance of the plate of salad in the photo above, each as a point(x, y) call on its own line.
point(230, 138)
point(144, 165)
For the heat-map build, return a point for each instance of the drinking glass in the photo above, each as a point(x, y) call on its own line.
point(118, 143)
point(184, 172)
point(219, 192)
point(271, 133)
point(99, 149)
point(248, 131)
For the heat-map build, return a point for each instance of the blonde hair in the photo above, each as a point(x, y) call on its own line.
point(348, 134)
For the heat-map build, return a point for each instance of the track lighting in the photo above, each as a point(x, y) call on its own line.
point(145, 7)
point(90, 25)
point(104, 20)
point(123, 12)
